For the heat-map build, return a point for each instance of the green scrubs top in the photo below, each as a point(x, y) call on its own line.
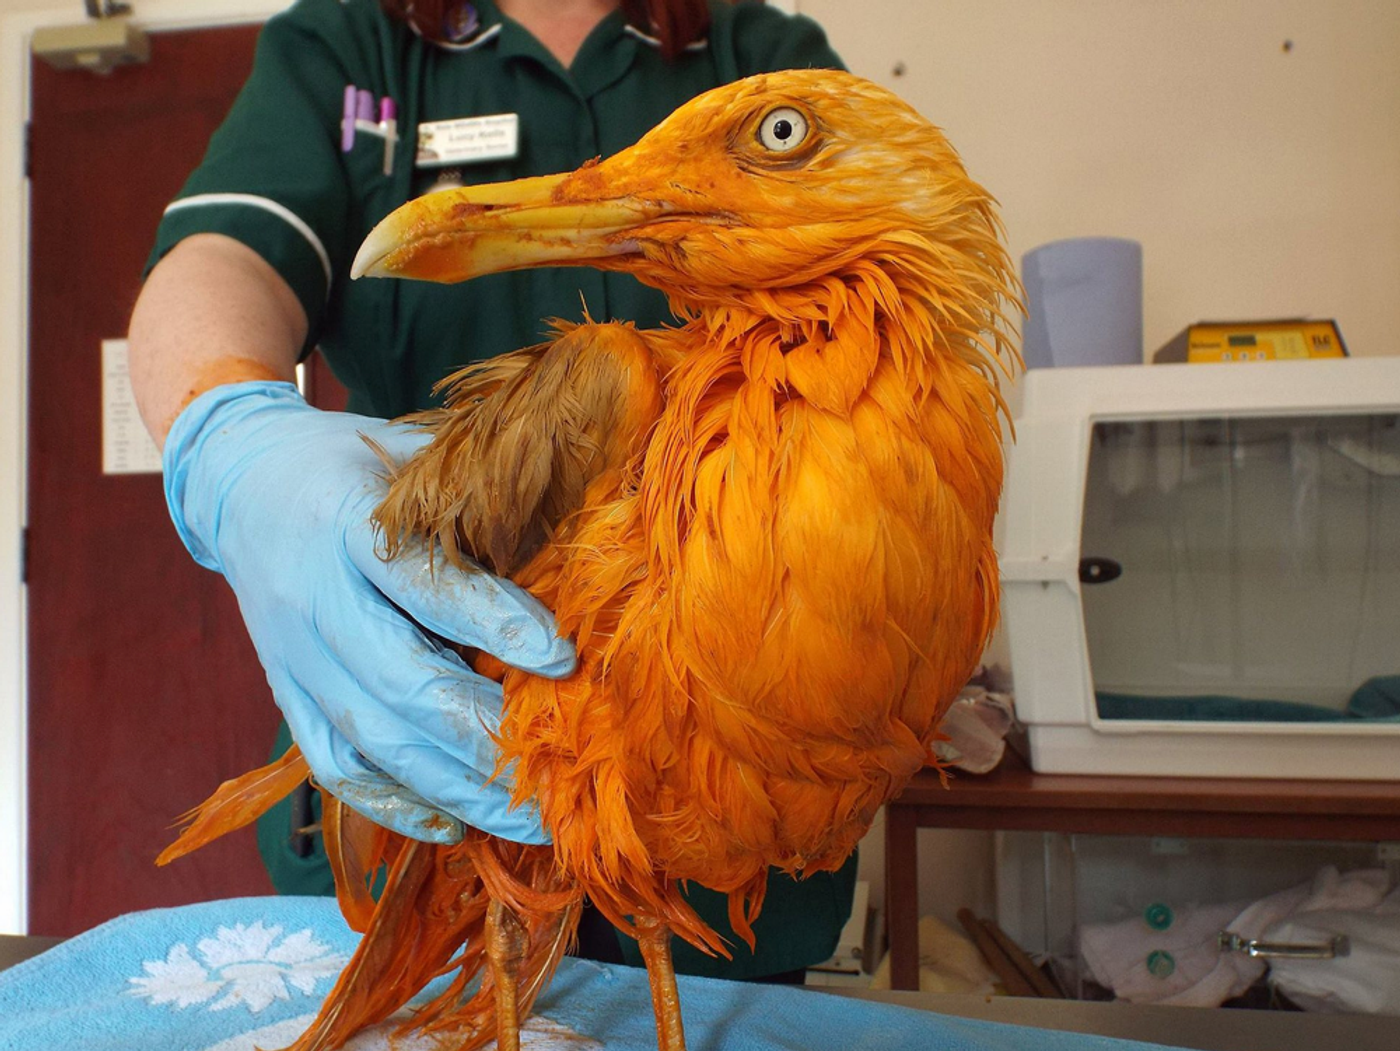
point(276, 178)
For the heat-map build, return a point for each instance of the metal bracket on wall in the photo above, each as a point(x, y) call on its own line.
point(101, 44)
point(106, 8)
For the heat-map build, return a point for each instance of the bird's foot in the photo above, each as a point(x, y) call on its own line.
point(505, 948)
point(654, 939)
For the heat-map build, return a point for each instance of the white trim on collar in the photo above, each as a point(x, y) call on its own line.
point(651, 41)
point(475, 42)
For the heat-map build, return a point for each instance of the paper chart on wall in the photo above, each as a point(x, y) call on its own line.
point(126, 447)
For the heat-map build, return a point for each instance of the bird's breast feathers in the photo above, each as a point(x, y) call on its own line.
point(805, 590)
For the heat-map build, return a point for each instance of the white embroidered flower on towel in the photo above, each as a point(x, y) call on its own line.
point(245, 963)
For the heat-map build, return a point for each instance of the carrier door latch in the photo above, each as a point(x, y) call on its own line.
point(1229, 941)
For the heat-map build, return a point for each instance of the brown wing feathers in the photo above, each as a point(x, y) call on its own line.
point(518, 442)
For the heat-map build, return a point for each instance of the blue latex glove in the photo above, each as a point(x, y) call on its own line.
point(276, 496)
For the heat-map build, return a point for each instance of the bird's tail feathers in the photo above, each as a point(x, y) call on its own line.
point(430, 920)
point(238, 802)
point(745, 905)
point(355, 848)
point(665, 900)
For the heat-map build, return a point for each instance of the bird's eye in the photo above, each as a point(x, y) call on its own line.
point(783, 130)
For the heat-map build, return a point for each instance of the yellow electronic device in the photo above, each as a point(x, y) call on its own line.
point(1228, 342)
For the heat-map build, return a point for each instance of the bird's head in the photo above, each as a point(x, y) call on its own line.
point(770, 182)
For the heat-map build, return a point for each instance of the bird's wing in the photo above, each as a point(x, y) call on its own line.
point(520, 439)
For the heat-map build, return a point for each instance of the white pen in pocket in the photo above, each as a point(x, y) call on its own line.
point(389, 128)
point(359, 117)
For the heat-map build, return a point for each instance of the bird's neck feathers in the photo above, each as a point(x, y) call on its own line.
point(925, 309)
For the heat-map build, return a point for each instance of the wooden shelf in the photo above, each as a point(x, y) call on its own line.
point(1015, 798)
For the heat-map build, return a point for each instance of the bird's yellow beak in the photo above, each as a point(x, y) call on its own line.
point(453, 235)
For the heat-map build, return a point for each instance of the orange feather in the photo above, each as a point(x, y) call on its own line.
point(238, 802)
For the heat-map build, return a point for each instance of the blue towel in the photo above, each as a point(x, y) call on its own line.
point(251, 972)
point(1376, 700)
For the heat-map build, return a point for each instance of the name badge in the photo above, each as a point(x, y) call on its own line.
point(468, 140)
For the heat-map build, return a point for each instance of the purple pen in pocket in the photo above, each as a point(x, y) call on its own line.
point(347, 120)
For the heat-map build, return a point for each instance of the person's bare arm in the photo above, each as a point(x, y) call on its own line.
point(212, 311)
point(278, 496)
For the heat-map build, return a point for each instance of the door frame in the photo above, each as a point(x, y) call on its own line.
point(16, 32)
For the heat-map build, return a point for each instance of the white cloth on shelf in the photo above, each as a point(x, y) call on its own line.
point(1366, 980)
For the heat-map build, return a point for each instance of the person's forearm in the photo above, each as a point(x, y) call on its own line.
point(211, 312)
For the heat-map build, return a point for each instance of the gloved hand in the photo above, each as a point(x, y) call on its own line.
point(276, 496)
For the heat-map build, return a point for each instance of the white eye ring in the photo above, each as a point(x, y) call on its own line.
point(783, 130)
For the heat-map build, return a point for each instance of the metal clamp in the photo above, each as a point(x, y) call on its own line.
point(1229, 941)
point(106, 8)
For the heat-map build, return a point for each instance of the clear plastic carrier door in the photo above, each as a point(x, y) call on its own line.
point(1244, 569)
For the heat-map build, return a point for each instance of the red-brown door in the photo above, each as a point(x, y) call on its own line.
point(144, 691)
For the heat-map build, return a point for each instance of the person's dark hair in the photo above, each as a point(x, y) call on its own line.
point(675, 23)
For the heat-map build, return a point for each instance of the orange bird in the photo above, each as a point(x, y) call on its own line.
point(769, 531)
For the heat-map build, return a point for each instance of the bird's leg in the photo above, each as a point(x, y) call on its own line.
point(654, 939)
point(505, 948)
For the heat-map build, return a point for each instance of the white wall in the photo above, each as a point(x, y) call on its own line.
point(1261, 182)
point(73, 7)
